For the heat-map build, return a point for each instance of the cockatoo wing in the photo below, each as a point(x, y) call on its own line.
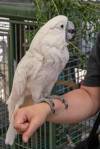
point(28, 66)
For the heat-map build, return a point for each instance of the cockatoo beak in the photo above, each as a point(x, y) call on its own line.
point(70, 31)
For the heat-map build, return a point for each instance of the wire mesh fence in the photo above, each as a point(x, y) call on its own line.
point(4, 89)
point(15, 38)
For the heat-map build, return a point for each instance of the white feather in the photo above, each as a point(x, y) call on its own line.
point(38, 70)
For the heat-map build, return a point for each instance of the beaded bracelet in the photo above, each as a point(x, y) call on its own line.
point(50, 102)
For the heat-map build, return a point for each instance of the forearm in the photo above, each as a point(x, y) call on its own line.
point(81, 105)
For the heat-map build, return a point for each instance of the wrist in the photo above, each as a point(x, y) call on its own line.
point(53, 101)
point(46, 106)
point(60, 107)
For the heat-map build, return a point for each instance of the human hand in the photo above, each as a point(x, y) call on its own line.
point(28, 119)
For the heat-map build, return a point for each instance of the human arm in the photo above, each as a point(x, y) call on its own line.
point(82, 103)
point(85, 101)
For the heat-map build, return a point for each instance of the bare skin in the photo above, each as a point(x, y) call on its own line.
point(82, 103)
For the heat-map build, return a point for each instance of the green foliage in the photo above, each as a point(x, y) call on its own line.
point(74, 9)
point(80, 13)
point(85, 15)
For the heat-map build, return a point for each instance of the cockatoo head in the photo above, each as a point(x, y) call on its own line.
point(55, 33)
point(60, 26)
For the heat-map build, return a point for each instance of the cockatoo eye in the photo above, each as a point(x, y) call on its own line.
point(62, 26)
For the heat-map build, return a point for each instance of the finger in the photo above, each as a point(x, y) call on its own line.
point(20, 128)
point(19, 118)
point(33, 126)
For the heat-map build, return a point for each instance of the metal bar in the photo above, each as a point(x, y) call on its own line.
point(52, 136)
point(19, 21)
point(11, 56)
point(5, 34)
point(21, 11)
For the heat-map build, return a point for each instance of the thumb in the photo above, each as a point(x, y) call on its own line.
point(33, 126)
point(20, 128)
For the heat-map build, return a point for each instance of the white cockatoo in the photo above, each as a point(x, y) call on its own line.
point(39, 69)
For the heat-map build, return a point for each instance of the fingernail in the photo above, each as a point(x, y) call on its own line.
point(25, 139)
